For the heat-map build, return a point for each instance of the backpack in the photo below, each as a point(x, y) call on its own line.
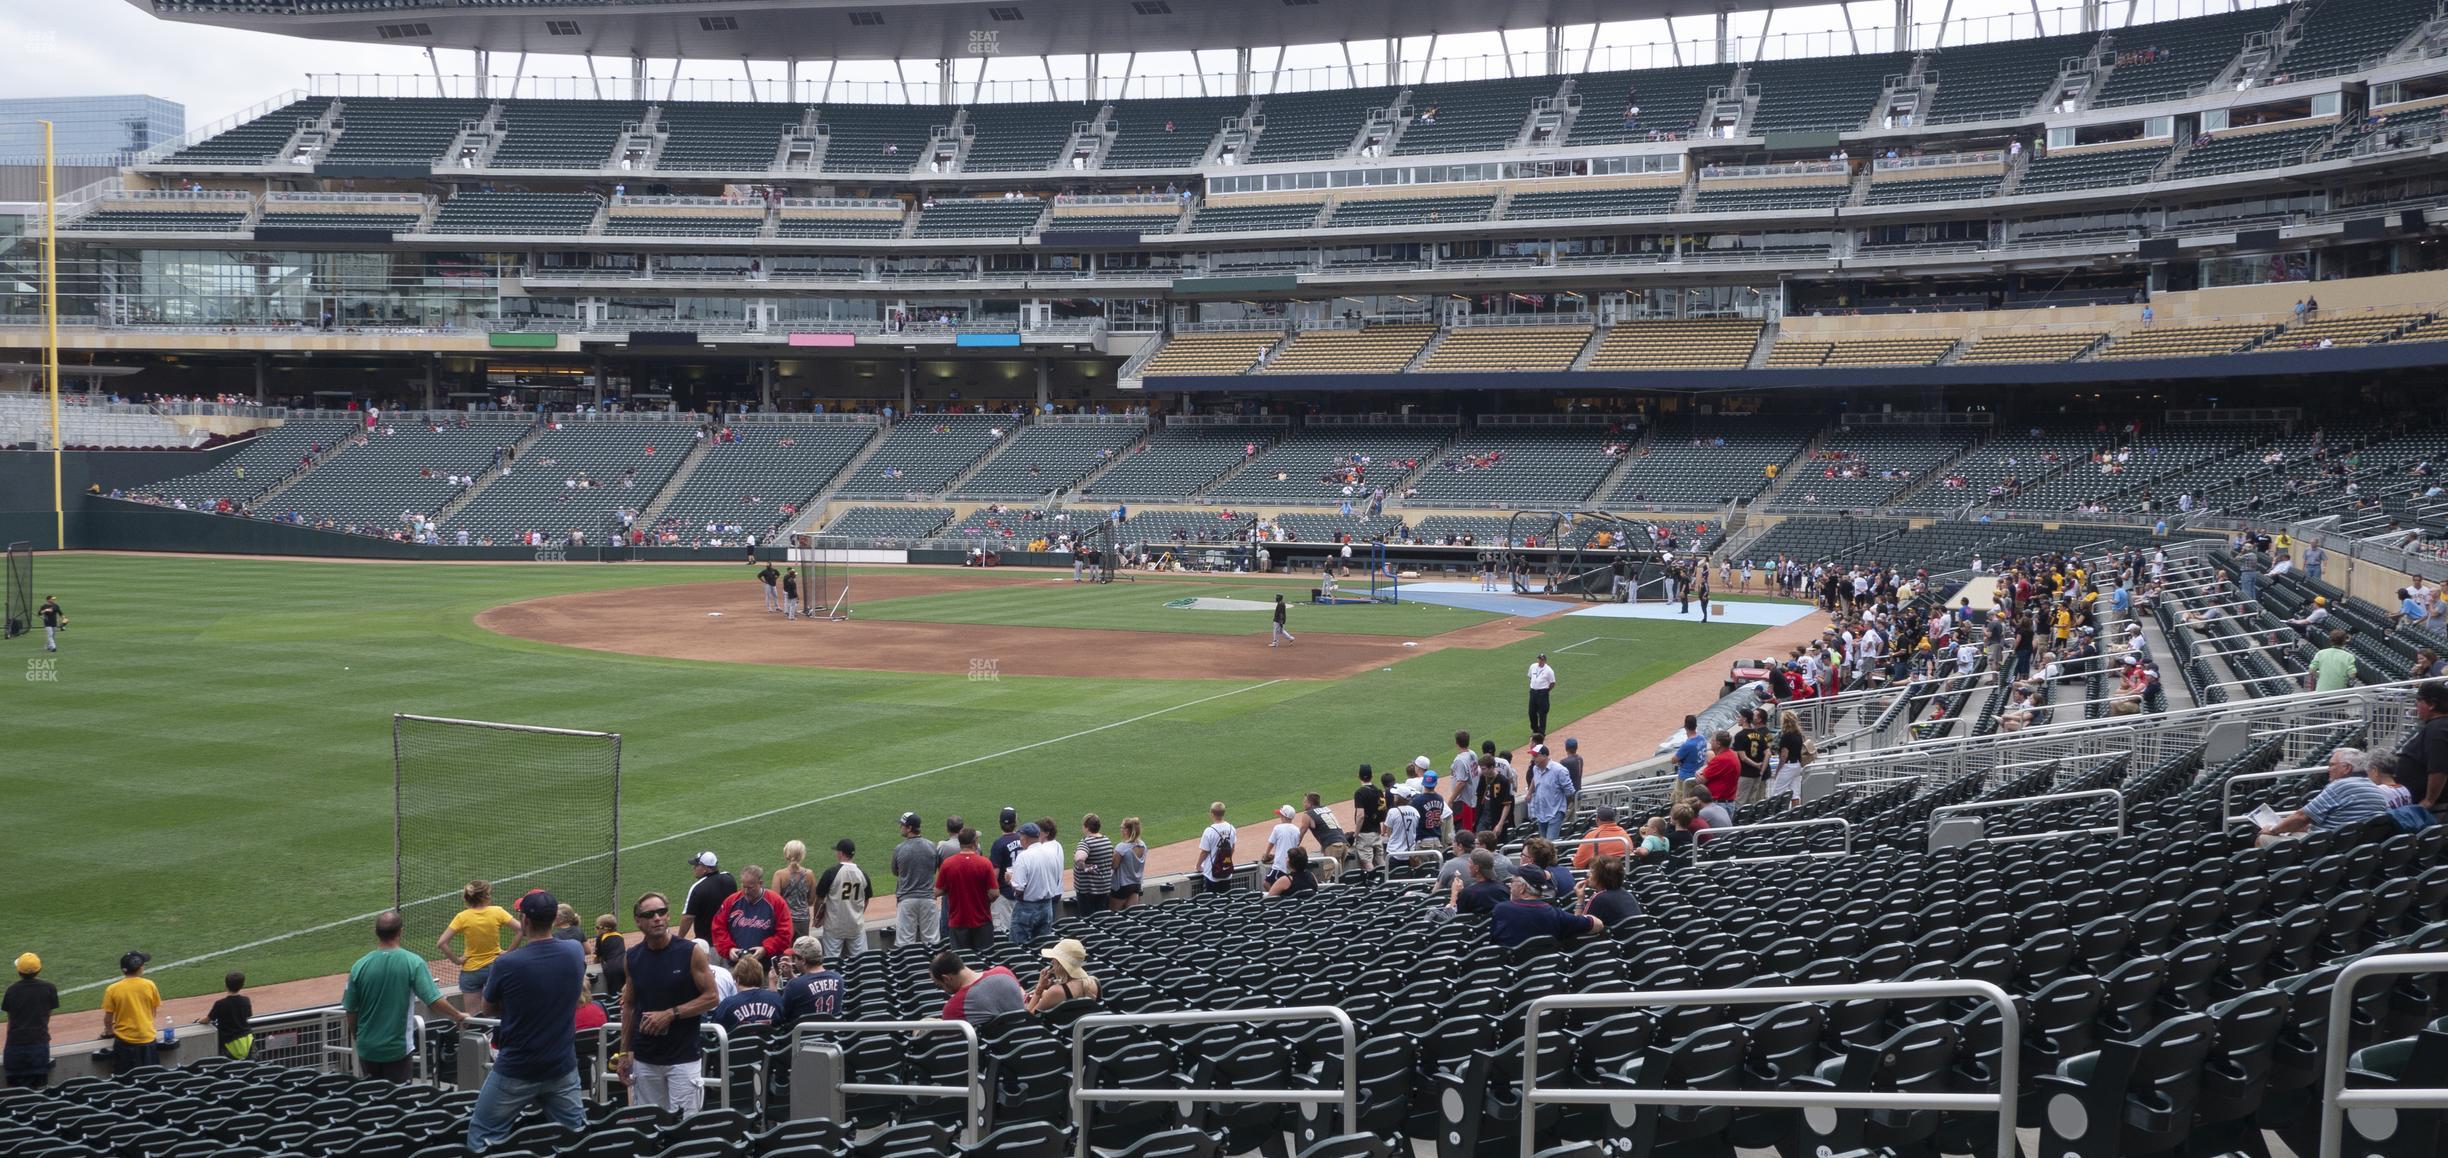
point(2412, 817)
point(1220, 863)
point(1810, 753)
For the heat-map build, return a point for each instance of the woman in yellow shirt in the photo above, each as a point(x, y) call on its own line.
point(478, 927)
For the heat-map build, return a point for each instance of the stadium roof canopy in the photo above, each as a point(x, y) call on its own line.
point(899, 29)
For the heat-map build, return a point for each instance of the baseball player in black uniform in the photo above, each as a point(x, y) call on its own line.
point(790, 595)
point(52, 620)
point(768, 576)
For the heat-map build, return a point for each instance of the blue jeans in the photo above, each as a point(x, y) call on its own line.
point(1031, 921)
point(503, 1096)
point(2313, 570)
point(2250, 581)
point(1552, 827)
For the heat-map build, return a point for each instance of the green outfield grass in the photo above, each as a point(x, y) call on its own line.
point(210, 765)
point(1140, 606)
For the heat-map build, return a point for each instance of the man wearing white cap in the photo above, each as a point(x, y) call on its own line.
point(705, 896)
point(1281, 841)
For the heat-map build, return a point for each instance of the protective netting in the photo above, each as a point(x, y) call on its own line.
point(521, 807)
point(19, 617)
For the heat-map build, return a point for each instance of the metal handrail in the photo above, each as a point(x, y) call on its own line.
point(1083, 1095)
point(1844, 830)
point(1939, 813)
point(974, 1093)
point(2336, 1099)
point(2002, 1103)
point(2227, 786)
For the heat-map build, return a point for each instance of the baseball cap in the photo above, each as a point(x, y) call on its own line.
point(1540, 750)
point(1422, 763)
point(1606, 812)
point(909, 820)
point(1010, 814)
point(1571, 745)
point(1428, 780)
point(704, 859)
point(846, 846)
point(1533, 876)
point(539, 905)
point(29, 964)
point(134, 960)
point(1031, 829)
point(1287, 812)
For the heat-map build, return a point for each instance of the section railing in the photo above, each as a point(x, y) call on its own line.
point(972, 1091)
point(1938, 816)
point(2009, 1063)
point(2336, 1100)
point(1346, 1093)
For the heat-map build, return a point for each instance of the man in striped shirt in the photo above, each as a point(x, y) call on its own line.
point(2349, 799)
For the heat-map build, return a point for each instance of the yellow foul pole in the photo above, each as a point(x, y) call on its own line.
point(51, 352)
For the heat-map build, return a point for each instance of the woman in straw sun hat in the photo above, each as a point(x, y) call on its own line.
point(1064, 977)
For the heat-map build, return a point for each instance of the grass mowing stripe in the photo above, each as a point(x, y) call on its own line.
point(224, 725)
point(699, 831)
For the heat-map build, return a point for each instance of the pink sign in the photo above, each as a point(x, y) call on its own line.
point(824, 339)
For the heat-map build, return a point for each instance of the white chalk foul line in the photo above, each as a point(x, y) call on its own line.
point(344, 922)
point(1596, 638)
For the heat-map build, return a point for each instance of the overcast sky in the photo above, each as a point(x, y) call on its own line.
point(99, 47)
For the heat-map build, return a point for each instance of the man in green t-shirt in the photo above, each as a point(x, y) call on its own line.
point(378, 1005)
point(2333, 667)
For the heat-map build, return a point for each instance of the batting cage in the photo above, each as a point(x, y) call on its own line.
point(452, 820)
point(1099, 547)
point(20, 605)
point(824, 578)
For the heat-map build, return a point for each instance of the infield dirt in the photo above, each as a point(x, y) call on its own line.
point(678, 622)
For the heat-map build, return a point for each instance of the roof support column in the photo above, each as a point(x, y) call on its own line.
point(1504, 42)
point(1241, 71)
point(1852, 38)
point(790, 80)
point(1903, 26)
point(1427, 58)
point(593, 81)
point(944, 81)
point(1725, 38)
point(440, 89)
point(1674, 42)
point(1946, 21)
point(2039, 26)
point(674, 86)
point(637, 76)
point(518, 73)
point(1393, 69)
point(1350, 74)
point(1589, 54)
point(826, 96)
point(1130, 64)
point(750, 74)
point(1555, 49)
point(2091, 15)
point(484, 69)
point(1095, 93)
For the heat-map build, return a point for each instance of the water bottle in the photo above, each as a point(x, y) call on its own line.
point(169, 1032)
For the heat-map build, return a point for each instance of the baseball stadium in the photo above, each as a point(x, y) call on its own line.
point(723, 579)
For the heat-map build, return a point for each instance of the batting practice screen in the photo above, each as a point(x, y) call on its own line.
point(519, 806)
point(19, 616)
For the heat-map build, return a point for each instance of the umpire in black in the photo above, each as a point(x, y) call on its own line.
point(53, 619)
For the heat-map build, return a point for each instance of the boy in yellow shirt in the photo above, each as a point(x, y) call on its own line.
point(128, 1007)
